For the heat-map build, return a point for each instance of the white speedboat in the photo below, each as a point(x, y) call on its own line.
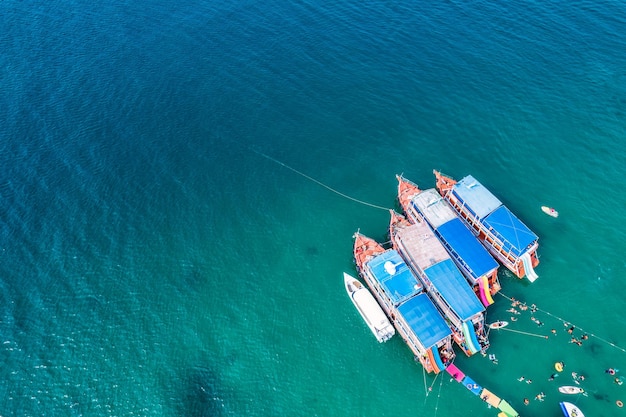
point(550, 211)
point(571, 390)
point(498, 324)
point(366, 304)
point(570, 410)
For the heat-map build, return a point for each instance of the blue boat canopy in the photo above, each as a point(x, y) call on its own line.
point(424, 319)
point(465, 246)
point(476, 197)
point(448, 281)
point(514, 234)
point(394, 276)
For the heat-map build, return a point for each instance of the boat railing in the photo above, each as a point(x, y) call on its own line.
point(490, 238)
point(410, 336)
point(379, 293)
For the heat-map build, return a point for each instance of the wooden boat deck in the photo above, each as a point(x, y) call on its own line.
point(422, 245)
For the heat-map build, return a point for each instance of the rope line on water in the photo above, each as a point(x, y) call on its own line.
point(429, 389)
point(570, 323)
point(438, 396)
point(526, 333)
point(318, 182)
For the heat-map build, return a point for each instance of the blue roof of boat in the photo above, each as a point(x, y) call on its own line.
point(476, 197)
point(449, 282)
point(514, 234)
point(425, 320)
point(399, 286)
point(464, 245)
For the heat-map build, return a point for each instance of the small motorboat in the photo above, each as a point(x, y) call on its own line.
point(571, 390)
point(370, 310)
point(570, 410)
point(498, 324)
point(550, 211)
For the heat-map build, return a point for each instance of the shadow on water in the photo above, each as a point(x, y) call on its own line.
point(201, 397)
point(194, 276)
point(601, 397)
point(596, 349)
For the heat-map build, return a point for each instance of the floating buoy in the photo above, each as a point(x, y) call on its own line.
point(558, 366)
point(619, 403)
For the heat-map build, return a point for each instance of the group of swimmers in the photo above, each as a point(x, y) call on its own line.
point(575, 340)
point(541, 396)
point(576, 377)
point(515, 304)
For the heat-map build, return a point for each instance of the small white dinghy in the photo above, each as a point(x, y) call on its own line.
point(369, 309)
point(570, 410)
point(550, 211)
point(571, 390)
point(498, 324)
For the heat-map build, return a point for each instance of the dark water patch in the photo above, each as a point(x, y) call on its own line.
point(201, 396)
point(312, 250)
point(193, 276)
point(601, 397)
point(596, 349)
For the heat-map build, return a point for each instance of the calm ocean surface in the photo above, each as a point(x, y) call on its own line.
point(153, 263)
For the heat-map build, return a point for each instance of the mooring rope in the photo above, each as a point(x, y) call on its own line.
point(570, 323)
point(429, 389)
point(319, 182)
point(438, 396)
point(526, 333)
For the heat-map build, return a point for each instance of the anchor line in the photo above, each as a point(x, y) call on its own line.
point(568, 322)
point(319, 182)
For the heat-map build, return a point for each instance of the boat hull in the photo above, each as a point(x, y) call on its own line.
point(571, 390)
point(550, 211)
point(570, 410)
point(369, 309)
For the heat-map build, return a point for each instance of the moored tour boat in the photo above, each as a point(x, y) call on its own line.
point(372, 313)
point(570, 410)
point(505, 236)
point(469, 255)
point(402, 297)
point(550, 211)
point(444, 283)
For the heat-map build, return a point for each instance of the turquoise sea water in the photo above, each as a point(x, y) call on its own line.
point(152, 263)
